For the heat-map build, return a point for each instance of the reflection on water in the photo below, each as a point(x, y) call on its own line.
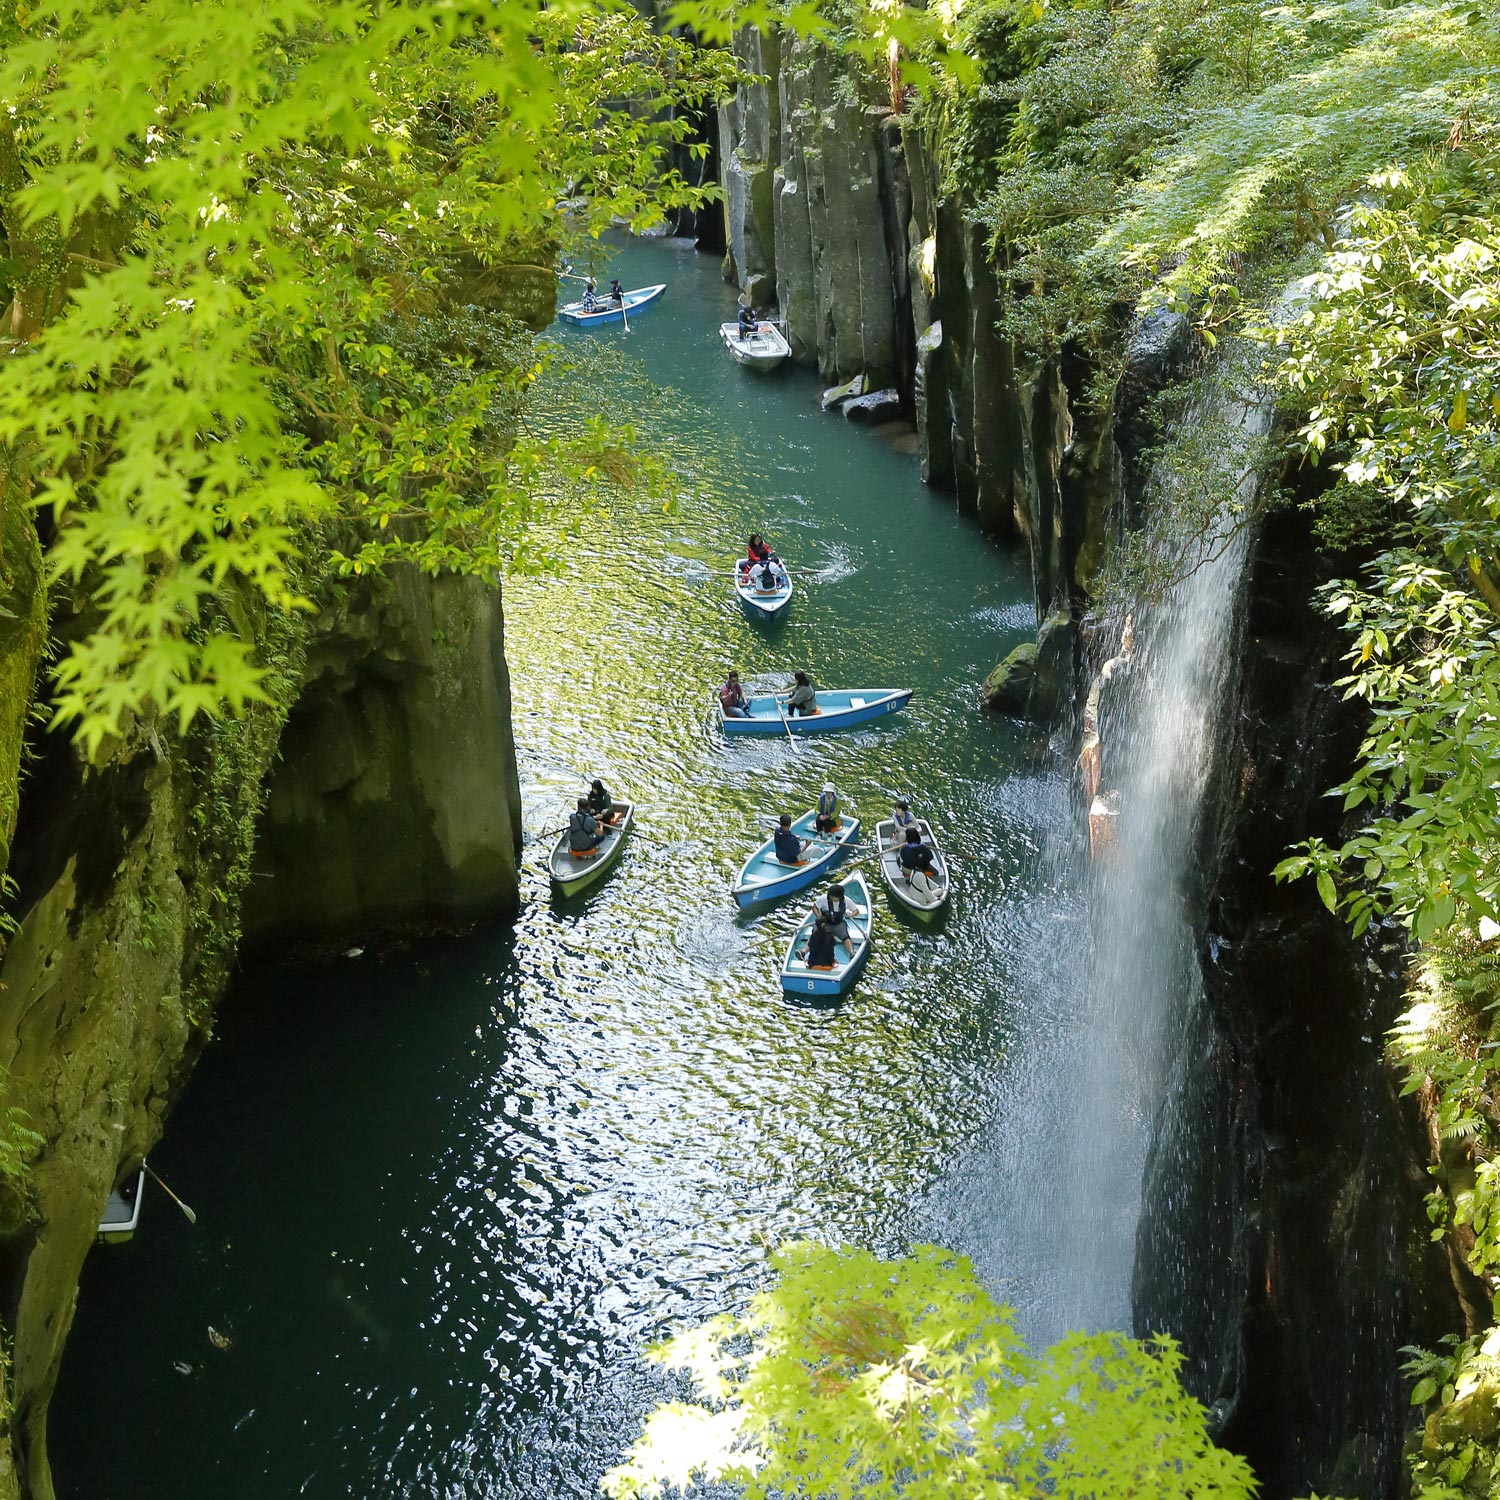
point(446, 1194)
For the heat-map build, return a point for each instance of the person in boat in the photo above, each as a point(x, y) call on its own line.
point(591, 296)
point(616, 292)
point(749, 324)
point(757, 552)
point(820, 952)
point(828, 819)
point(788, 847)
point(584, 833)
point(902, 818)
point(732, 698)
point(802, 699)
point(834, 911)
point(770, 578)
point(600, 803)
point(917, 862)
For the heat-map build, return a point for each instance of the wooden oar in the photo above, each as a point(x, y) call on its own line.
point(187, 1213)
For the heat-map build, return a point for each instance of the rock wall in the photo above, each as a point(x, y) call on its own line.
point(394, 799)
point(835, 213)
point(1283, 1235)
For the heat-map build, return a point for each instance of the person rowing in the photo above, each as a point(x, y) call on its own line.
point(917, 859)
point(616, 292)
point(732, 698)
point(770, 578)
point(749, 325)
point(802, 699)
point(584, 833)
point(827, 819)
point(789, 849)
point(834, 910)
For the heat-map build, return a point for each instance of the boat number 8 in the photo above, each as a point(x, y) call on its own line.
point(812, 984)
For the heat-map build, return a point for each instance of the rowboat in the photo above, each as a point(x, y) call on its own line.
point(759, 603)
point(930, 897)
point(763, 878)
point(798, 979)
point(605, 311)
point(838, 708)
point(122, 1209)
point(764, 349)
point(570, 873)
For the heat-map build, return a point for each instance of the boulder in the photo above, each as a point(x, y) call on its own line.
point(875, 406)
point(836, 395)
point(1008, 688)
point(1052, 683)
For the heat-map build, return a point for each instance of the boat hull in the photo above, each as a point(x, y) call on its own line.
point(925, 907)
point(797, 979)
point(639, 298)
point(841, 708)
point(759, 604)
point(571, 875)
point(762, 879)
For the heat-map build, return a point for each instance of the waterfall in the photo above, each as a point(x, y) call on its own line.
point(1121, 981)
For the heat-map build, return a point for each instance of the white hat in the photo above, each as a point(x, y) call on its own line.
point(828, 786)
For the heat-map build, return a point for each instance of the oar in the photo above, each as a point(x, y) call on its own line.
point(623, 317)
point(187, 1213)
point(784, 724)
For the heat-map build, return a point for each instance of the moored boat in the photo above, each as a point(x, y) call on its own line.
point(572, 872)
point(122, 1209)
point(797, 978)
point(605, 311)
point(920, 895)
point(759, 603)
point(764, 350)
point(838, 708)
point(763, 878)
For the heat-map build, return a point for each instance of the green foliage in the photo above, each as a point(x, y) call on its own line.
point(1147, 148)
point(243, 296)
point(857, 1377)
point(1393, 363)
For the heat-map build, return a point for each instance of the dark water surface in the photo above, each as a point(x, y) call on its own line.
point(446, 1195)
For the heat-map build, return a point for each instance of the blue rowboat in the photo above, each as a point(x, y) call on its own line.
point(798, 979)
point(759, 603)
point(605, 311)
point(763, 878)
point(838, 708)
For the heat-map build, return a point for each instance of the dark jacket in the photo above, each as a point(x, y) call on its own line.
point(788, 846)
point(821, 952)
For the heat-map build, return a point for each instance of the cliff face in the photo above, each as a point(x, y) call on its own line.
point(834, 211)
point(394, 799)
point(1285, 1180)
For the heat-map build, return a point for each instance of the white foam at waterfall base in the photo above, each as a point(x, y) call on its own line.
point(1115, 964)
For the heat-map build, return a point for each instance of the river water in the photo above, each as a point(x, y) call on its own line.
point(447, 1194)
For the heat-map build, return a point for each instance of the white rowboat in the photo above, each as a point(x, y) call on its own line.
point(924, 897)
point(571, 873)
point(764, 349)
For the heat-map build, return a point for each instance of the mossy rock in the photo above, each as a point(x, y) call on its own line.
point(1008, 688)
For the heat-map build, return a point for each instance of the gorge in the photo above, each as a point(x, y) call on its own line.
point(460, 1150)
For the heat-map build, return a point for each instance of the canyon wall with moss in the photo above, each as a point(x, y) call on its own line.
point(377, 793)
point(1282, 1236)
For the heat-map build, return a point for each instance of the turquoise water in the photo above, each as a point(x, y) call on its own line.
point(447, 1193)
